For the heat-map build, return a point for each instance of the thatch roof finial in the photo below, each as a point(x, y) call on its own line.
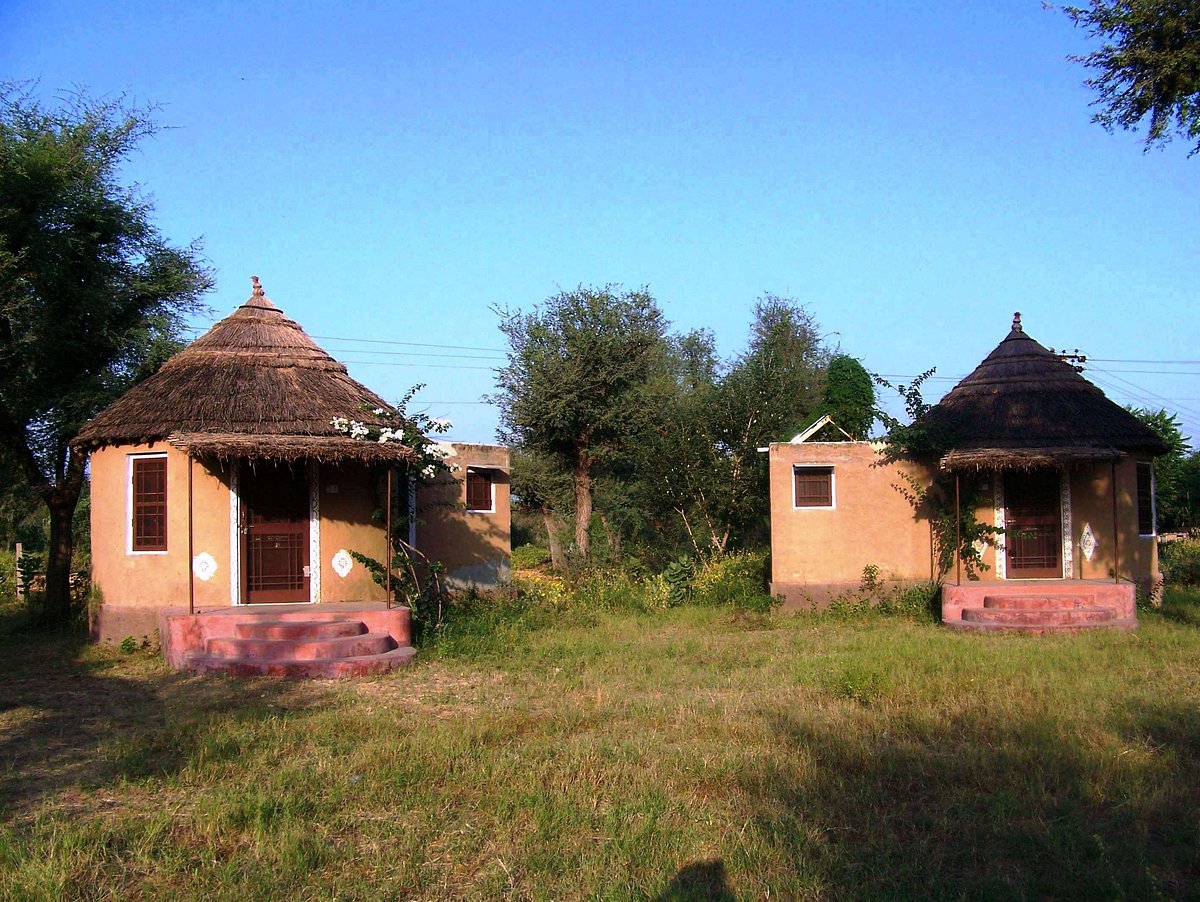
point(1016, 326)
point(258, 289)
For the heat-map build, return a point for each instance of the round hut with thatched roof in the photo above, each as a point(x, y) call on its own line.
point(222, 480)
point(1063, 475)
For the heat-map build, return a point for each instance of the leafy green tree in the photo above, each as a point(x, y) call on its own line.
point(1175, 472)
point(91, 295)
point(575, 387)
point(702, 460)
point(1148, 67)
point(849, 399)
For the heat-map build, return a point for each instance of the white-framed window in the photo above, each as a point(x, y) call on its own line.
point(1146, 508)
point(147, 504)
point(481, 491)
point(813, 487)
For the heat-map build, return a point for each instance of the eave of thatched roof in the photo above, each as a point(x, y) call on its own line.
point(288, 448)
point(1023, 406)
point(254, 382)
point(1024, 458)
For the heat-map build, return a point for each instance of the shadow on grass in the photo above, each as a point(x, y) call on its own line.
point(77, 716)
point(702, 881)
point(985, 810)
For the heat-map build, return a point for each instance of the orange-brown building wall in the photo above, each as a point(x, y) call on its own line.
point(350, 506)
point(151, 579)
point(818, 552)
point(474, 546)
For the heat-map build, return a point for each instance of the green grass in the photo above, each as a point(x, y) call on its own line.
point(686, 753)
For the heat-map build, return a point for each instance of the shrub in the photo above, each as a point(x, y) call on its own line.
point(530, 557)
point(1180, 562)
point(737, 579)
point(8, 576)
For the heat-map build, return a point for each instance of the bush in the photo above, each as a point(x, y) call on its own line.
point(530, 557)
point(8, 576)
point(1180, 562)
point(737, 579)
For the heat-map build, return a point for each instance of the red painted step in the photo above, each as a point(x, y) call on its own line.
point(302, 649)
point(1036, 602)
point(1051, 617)
point(967, 626)
point(300, 629)
point(329, 668)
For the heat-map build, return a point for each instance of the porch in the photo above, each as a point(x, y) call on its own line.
point(1040, 605)
point(295, 640)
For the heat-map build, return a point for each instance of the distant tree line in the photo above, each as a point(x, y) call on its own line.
point(632, 441)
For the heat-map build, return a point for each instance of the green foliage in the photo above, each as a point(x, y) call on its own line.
point(574, 388)
point(849, 399)
point(876, 597)
point(1148, 67)
point(416, 584)
point(529, 557)
point(1176, 473)
point(92, 298)
point(678, 576)
point(1180, 562)
point(8, 576)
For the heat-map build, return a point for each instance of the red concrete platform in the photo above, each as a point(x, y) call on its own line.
point(303, 640)
point(1040, 606)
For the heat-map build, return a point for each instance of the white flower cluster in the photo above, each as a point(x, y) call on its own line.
point(353, 428)
point(390, 435)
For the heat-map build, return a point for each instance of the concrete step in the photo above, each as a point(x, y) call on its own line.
point(1052, 617)
point(300, 629)
point(323, 669)
point(967, 626)
point(302, 649)
point(1034, 602)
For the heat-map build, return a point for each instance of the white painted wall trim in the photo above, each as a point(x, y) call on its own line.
point(235, 534)
point(314, 532)
point(1001, 549)
point(1068, 537)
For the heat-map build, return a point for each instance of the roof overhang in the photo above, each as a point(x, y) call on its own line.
point(288, 448)
point(1024, 458)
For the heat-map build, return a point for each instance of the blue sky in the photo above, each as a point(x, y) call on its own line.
point(913, 173)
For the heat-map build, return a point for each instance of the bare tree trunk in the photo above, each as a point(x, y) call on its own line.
point(558, 560)
point(583, 503)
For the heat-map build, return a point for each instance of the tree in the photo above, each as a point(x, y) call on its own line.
point(1149, 65)
point(849, 398)
point(702, 459)
point(574, 387)
point(91, 295)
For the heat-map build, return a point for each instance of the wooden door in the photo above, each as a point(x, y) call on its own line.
point(1032, 524)
point(275, 565)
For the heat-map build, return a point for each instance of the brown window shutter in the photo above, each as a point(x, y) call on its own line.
point(149, 504)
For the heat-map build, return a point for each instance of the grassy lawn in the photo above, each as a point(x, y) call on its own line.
point(697, 753)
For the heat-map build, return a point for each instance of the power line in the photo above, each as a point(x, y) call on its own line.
point(431, 366)
point(413, 354)
point(1169, 362)
point(408, 344)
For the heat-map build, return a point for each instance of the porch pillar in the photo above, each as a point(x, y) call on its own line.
point(387, 555)
point(191, 544)
point(1116, 537)
point(957, 529)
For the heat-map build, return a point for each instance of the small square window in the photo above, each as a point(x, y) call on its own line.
point(813, 486)
point(1145, 498)
point(480, 491)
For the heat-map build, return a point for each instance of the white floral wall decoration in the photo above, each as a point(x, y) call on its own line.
point(204, 565)
point(1087, 542)
point(342, 563)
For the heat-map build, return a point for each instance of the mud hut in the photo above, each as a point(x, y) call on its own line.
point(221, 482)
point(1064, 475)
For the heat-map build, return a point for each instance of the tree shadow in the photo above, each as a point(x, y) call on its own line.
point(73, 716)
point(980, 809)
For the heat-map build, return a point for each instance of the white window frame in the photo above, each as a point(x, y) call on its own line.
point(832, 487)
point(1153, 497)
point(129, 459)
point(485, 471)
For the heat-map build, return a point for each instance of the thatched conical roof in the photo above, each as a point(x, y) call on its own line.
point(254, 385)
point(1023, 406)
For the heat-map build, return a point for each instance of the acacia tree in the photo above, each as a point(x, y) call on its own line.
point(1148, 66)
point(574, 388)
point(849, 399)
point(702, 460)
point(1175, 472)
point(91, 295)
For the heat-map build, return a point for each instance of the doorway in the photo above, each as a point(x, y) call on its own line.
point(1033, 524)
point(275, 531)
